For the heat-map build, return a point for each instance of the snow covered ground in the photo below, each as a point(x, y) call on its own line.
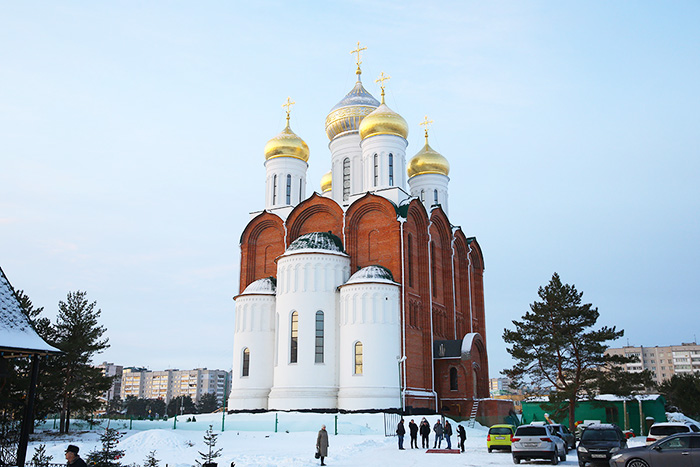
point(250, 440)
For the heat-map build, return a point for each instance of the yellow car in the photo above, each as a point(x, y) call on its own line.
point(499, 437)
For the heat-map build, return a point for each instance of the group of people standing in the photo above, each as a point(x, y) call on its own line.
point(441, 432)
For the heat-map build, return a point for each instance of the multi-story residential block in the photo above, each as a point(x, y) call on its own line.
point(499, 386)
point(172, 383)
point(110, 369)
point(132, 382)
point(662, 361)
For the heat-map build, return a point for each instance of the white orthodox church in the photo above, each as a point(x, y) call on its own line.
point(363, 296)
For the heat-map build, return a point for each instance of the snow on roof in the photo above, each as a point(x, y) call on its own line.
point(264, 286)
point(16, 334)
point(315, 241)
point(372, 273)
point(604, 397)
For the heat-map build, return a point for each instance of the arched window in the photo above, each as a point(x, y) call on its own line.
point(289, 189)
point(376, 170)
point(453, 379)
point(435, 195)
point(422, 196)
point(319, 337)
point(358, 358)
point(300, 187)
point(294, 337)
point(346, 179)
point(410, 260)
point(245, 364)
point(391, 169)
point(274, 189)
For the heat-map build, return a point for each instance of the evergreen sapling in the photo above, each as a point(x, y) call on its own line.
point(210, 440)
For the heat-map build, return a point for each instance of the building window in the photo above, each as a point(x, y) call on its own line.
point(422, 196)
point(245, 367)
point(289, 189)
point(319, 337)
point(346, 179)
point(410, 260)
point(453, 379)
point(294, 337)
point(433, 272)
point(391, 170)
point(274, 189)
point(358, 358)
point(376, 170)
point(435, 196)
point(300, 186)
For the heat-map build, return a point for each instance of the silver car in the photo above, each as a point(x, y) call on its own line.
point(679, 450)
point(537, 442)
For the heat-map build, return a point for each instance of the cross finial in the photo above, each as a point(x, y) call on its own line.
point(288, 107)
point(358, 51)
point(426, 123)
point(380, 80)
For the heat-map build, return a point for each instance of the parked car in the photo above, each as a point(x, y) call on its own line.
point(565, 434)
point(537, 442)
point(499, 437)
point(599, 442)
point(659, 431)
point(679, 450)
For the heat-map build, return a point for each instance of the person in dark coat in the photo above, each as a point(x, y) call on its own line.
point(461, 432)
point(413, 429)
point(400, 431)
point(322, 443)
point(448, 434)
point(425, 433)
point(73, 458)
point(437, 428)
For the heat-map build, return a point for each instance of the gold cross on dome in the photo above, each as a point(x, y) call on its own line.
point(358, 51)
point(426, 123)
point(288, 106)
point(380, 80)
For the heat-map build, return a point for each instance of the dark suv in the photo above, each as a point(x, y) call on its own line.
point(598, 444)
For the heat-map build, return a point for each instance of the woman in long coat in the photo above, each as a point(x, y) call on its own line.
point(322, 443)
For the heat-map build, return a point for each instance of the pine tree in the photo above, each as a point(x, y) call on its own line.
point(109, 455)
point(40, 457)
point(151, 460)
point(207, 403)
point(683, 392)
point(556, 348)
point(210, 440)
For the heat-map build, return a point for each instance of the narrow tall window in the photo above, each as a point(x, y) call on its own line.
point(391, 170)
point(289, 189)
point(319, 337)
point(294, 338)
point(346, 179)
point(422, 196)
point(453, 379)
point(274, 189)
point(433, 275)
point(410, 260)
point(358, 358)
point(435, 196)
point(376, 170)
point(300, 186)
point(245, 367)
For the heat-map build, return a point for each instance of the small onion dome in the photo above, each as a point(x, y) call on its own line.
point(317, 241)
point(372, 274)
point(287, 144)
point(327, 182)
point(383, 121)
point(428, 161)
point(349, 112)
point(264, 286)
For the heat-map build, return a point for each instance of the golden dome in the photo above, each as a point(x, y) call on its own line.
point(383, 121)
point(326, 182)
point(349, 112)
point(287, 144)
point(428, 161)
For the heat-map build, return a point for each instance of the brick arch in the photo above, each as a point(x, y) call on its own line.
point(441, 263)
point(366, 214)
point(461, 268)
point(315, 214)
point(262, 242)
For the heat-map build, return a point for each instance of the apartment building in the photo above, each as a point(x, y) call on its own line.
point(110, 369)
point(169, 384)
point(662, 361)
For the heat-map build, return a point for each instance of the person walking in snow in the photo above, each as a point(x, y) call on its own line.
point(425, 433)
point(462, 436)
point(437, 428)
point(400, 431)
point(448, 434)
point(73, 458)
point(322, 443)
point(413, 429)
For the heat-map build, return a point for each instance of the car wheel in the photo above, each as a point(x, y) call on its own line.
point(563, 457)
point(555, 458)
point(516, 460)
point(490, 449)
point(637, 463)
point(581, 464)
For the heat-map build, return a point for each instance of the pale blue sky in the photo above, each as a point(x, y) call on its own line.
point(132, 135)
